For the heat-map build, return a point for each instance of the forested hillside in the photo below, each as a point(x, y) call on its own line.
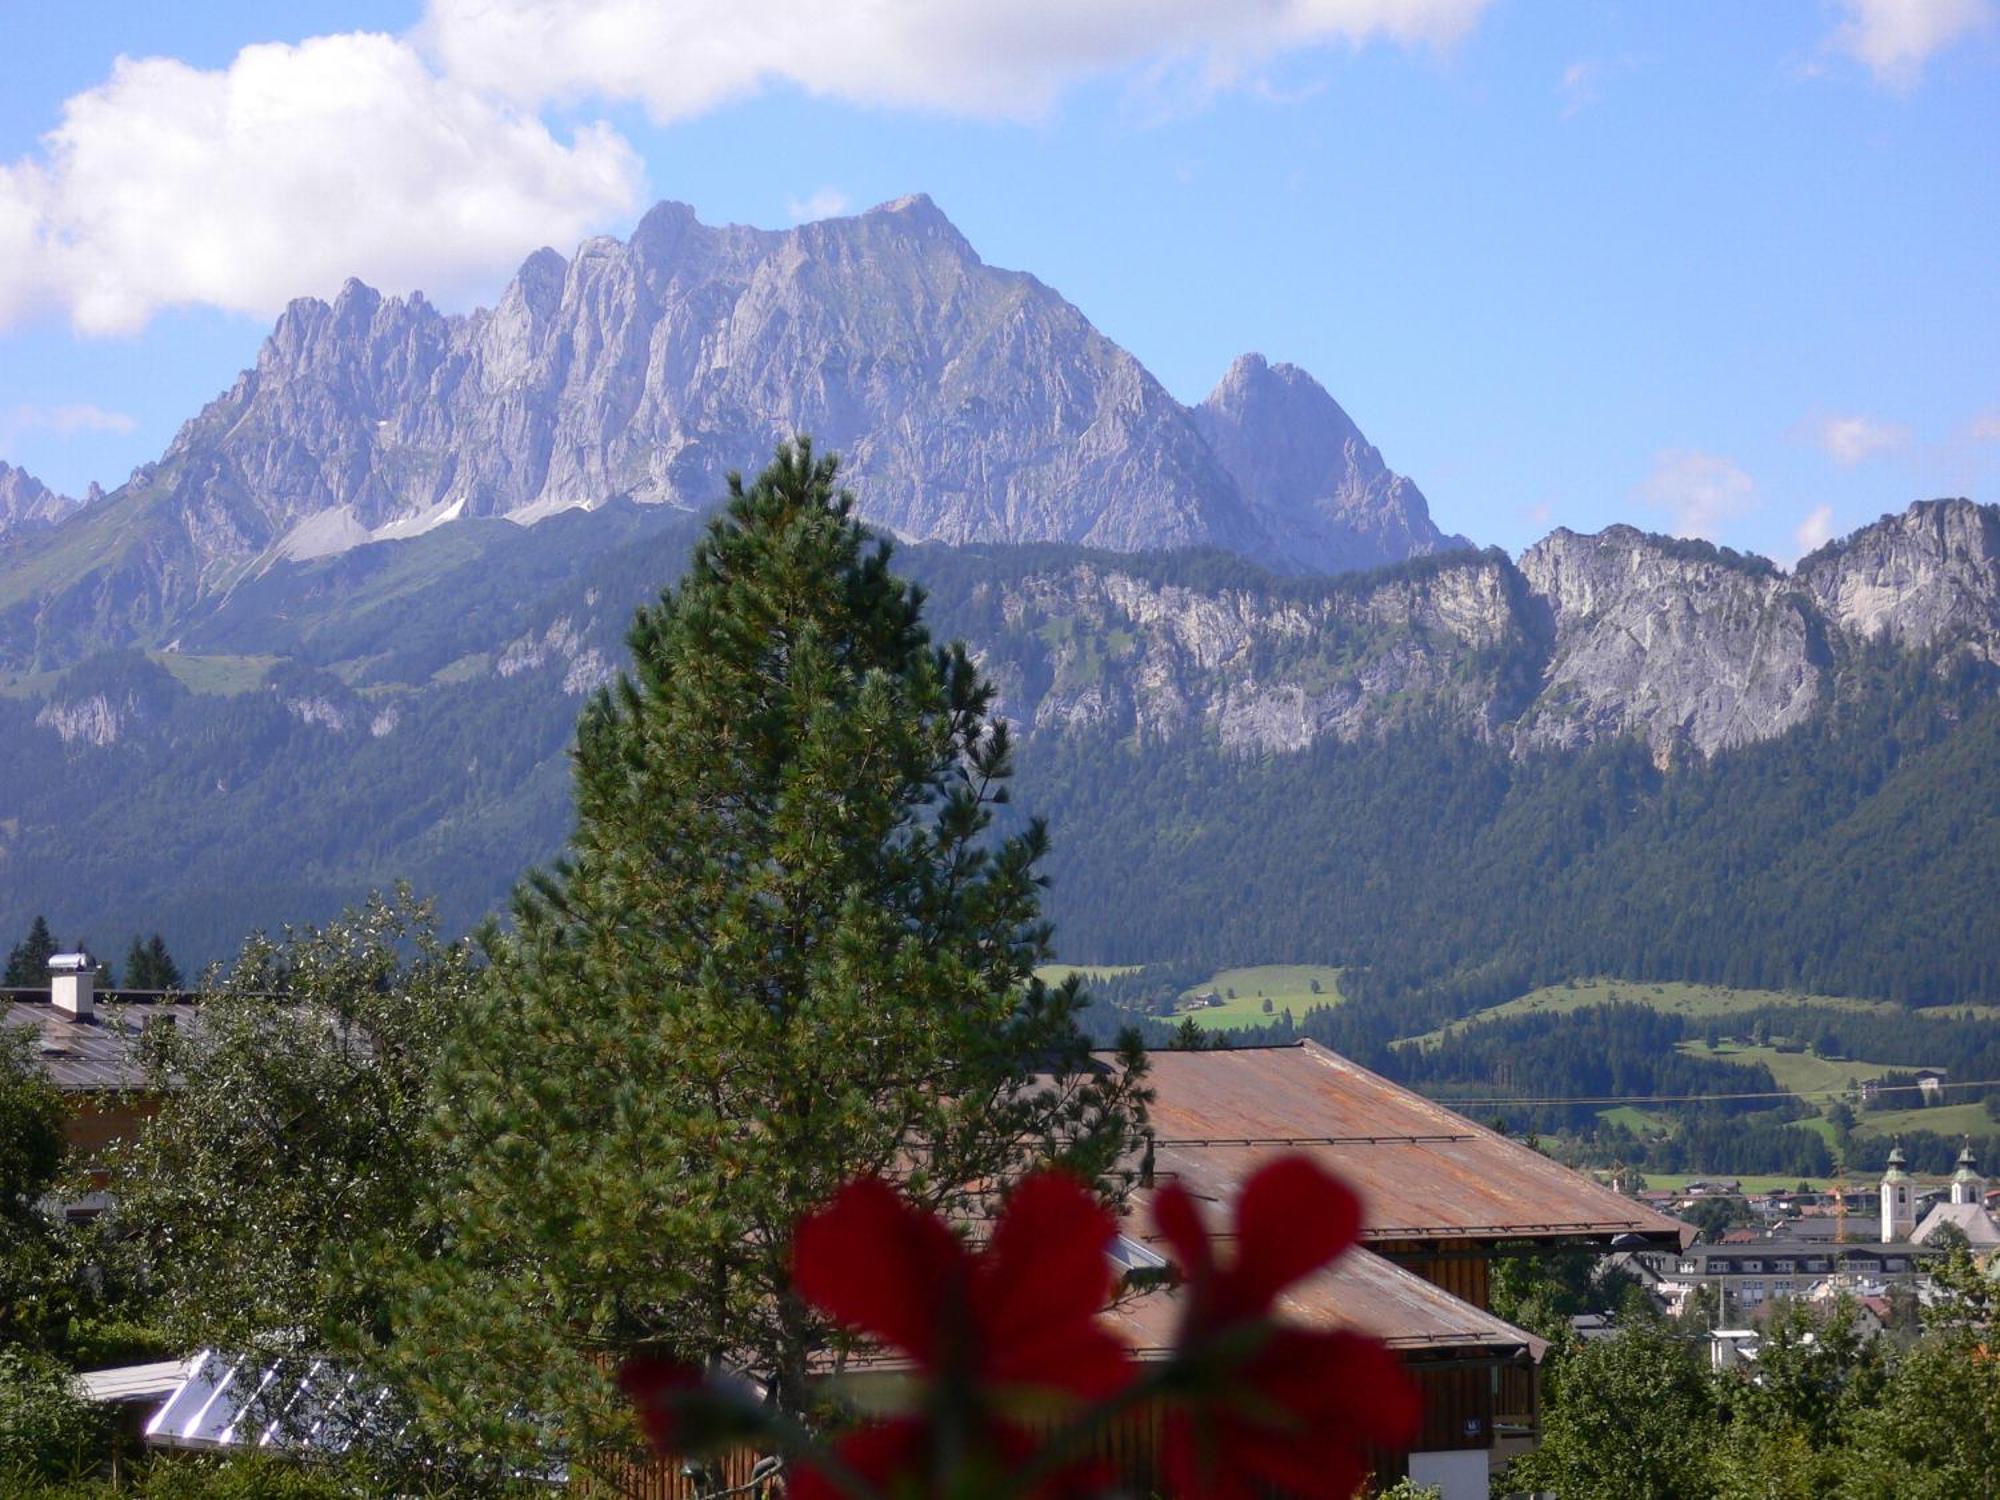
point(401, 710)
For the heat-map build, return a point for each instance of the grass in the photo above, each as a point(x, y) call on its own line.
point(1057, 973)
point(216, 676)
point(1801, 1072)
point(1284, 985)
point(466, 668)
point(1944, 1119)
point(1696, 1000)
point(1638, 1121)
point(1753, 1182)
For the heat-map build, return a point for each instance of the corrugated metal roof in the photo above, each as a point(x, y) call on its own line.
point(1423, 1171)
point(97, 1054)
point(133, 1382)
point(1361, 1291)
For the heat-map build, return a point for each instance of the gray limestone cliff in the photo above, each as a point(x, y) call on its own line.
point(1926, 579)
point(968, 404)
point(1689, 648)
point(1307, 471)
point(25, 501)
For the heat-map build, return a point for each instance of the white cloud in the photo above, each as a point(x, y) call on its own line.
point(1700, 492)
point(826, 203)
point(964, 57)
point(1986, 427)
point(1893, 39)
point(283, 174)
point(1849, 440)
point(1815, 531)
point(65, 421)
point(1582, 83)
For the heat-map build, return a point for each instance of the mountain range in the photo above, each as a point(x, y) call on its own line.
point(971, 404)
point(339, 632)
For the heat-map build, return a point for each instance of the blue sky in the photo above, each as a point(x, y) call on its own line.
point(1708, 268)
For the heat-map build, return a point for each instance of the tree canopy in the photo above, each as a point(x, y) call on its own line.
point(785, 947)
point(290, 1156)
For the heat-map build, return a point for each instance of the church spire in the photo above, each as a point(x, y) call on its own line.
point(1899, 1207)
point(1967, 1186)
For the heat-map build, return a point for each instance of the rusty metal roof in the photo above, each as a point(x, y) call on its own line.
point(1423, 1172)
point(1360, 1291)
point(97, 1055)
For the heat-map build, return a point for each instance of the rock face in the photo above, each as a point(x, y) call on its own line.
point(1925, 579)
point(1669, 641)
point(25, 501)
point(969, 403)
point(1251, 671)
point(1688, 648)
point(1308, 472)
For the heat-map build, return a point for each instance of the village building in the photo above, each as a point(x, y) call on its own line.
point(86, 1040)
point(1964, 1210)
point(1443, 1199)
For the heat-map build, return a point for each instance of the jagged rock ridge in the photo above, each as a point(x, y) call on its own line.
point(25, 501)
point(968, 402)
point(1586, 639)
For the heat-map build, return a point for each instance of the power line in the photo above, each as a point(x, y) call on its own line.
point(1802, 1094)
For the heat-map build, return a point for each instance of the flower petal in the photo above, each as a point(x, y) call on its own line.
point(653, 1386)
point(876, 1262)
point(1292, 1218)
point(890, 1456)
point(1343, 1387)
point(1195, 1464)
point(1039, 1287)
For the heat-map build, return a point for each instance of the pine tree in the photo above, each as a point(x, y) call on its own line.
point(28, 961)
point(148, 965)
point(165, 974)
point(785, 948)
point(137, 971)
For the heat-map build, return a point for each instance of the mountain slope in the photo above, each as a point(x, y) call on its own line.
point(972, 404)
point(1357, 768)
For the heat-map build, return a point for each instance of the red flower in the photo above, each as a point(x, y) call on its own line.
point(659, 1389)
point(992, 1334)
point(1259, 1402)
point(685, 1410)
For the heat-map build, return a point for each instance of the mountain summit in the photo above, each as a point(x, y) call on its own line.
point(971, 404)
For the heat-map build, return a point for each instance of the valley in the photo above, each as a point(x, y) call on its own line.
point(306, 655)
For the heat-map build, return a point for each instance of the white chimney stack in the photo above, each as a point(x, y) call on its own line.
point(72, 977)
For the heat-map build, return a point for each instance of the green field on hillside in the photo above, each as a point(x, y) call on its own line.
point(1697, 1000)
point(1286, 986)
point(1057, 973)
point(1941, 1119)
point(1753, 1182)
point(218, 676)
point(1811, 1077)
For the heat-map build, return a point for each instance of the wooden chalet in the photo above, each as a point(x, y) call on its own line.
point(1442, 1199)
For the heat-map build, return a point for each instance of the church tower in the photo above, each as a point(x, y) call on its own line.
point(1899, 1207)
point(1967, 1186)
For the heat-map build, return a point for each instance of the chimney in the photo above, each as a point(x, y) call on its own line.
point(72, 976)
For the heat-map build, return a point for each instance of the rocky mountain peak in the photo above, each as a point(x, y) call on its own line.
point(1308, 473)
point(1926, 578)
point(969, 404)
point(25, 501)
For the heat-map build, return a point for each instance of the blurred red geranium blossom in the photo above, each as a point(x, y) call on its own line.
point(996, 1335)
point(1013, 1372)
point(1257, 1403)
